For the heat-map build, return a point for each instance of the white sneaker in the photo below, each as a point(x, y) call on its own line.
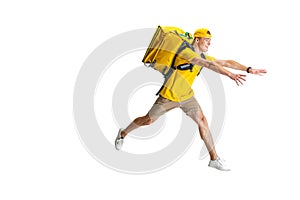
point(119, 140)
point(218, 164)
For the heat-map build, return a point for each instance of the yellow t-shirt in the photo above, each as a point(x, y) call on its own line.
point(178, 86)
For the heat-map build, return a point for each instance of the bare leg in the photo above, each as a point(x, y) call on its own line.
point(140, 121)
point(206, 136)
point(160, 107)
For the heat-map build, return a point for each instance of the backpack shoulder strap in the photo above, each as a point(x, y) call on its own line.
point(183, 46)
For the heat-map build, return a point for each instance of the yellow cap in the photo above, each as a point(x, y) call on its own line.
point(202, 32)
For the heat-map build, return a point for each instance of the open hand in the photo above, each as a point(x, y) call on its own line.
point(238, 78)
point(259, 72)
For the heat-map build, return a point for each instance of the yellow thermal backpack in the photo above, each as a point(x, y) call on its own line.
point(167, 42)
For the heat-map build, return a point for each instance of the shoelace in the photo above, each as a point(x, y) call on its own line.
point(221, 161)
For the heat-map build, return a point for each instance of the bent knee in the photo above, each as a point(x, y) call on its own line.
point(148, 120)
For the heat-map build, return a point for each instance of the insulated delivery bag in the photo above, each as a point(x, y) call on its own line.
point(167, 42)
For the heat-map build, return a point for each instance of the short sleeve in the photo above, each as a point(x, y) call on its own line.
point(209, 58)
point(188, 54)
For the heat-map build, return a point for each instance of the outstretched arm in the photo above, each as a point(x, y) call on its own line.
point(238, 78)
point(235, 65)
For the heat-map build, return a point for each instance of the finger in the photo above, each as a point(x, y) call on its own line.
point(235, 80)
point(263, 71)
point(241, 76)
point(260, 71)
point(237, 83)
point(240, 81)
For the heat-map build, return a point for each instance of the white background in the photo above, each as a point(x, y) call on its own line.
point(42, 48)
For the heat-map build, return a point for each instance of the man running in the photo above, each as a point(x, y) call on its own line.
point(177, 92)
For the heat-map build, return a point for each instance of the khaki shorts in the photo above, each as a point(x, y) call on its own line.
point(162, 105)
